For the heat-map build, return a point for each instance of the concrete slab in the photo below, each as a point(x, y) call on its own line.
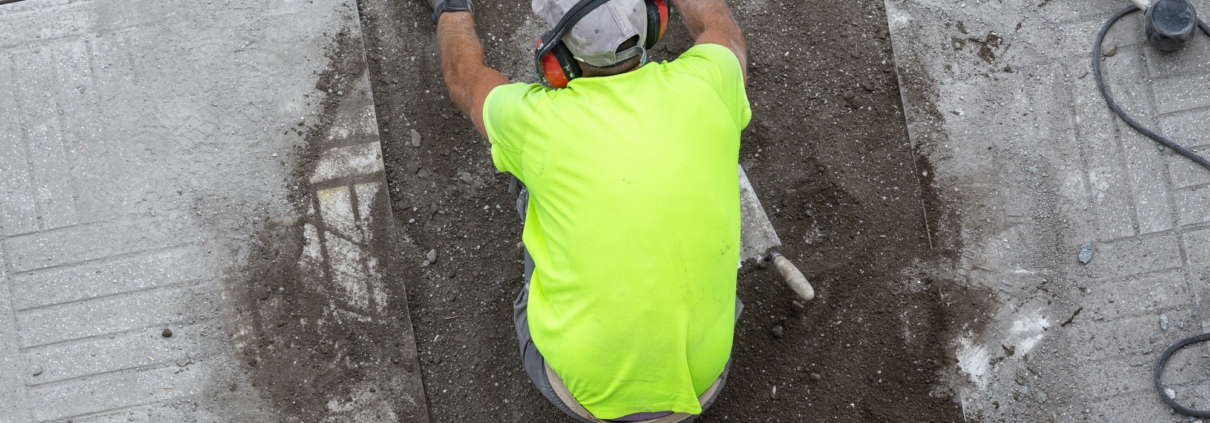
point(1011, 82)
point(151, 153)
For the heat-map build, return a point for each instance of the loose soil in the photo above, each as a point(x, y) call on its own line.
point(827, 151)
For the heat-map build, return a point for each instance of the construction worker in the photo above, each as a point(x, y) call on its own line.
point(625, 175)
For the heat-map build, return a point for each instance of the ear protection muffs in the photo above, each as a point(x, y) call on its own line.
point(554, 62)
point(657, 21)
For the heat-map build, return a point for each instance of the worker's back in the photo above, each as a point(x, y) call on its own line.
point(633, 225)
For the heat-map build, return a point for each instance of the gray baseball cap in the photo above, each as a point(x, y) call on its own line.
point(596, 38)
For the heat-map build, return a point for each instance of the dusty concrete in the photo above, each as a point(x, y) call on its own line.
point(149, 153)
point(1031, 165)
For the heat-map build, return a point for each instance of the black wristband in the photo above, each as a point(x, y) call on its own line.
point(452, 6)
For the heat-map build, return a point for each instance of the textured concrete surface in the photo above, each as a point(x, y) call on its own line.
point(1001, 99)
point(142, 145)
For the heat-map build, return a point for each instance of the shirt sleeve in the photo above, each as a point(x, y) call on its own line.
point(720, 68)
point(506, 114)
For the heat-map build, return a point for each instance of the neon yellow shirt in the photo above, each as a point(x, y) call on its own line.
point(633, 225)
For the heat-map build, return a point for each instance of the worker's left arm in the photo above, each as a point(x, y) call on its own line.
point(469, 80)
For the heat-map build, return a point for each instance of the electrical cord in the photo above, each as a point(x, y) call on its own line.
point(1159, 370)
point(1113, 105)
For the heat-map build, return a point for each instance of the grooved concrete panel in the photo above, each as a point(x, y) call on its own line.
point(143, 348)
point(114, 314)
point(89, 242)
point(127, 274)
point(144, 144)
point(1138, 295)
point(1190, 128)
point(1091, 331)
point(1132, 256)
point(17, 213)
point(117, 390)
point(1179, 93)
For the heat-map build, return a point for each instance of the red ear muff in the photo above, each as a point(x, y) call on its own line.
point(558, 67)
point(657, 21)
point(553, 72)
point(663, 6)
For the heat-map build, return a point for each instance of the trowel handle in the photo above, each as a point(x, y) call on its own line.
point(792, 276)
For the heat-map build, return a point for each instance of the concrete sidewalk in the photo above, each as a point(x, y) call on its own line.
point(193, 220)
point(1001, 99)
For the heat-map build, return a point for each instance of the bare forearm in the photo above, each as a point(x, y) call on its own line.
point(461, 55)
point(695, 13)
point(710, 21)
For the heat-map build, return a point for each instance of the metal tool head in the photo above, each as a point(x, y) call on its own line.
point(757, 236)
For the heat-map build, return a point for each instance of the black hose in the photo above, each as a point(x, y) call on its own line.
point(1159, 371)
point(1096, 66)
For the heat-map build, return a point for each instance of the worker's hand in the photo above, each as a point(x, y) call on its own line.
point(442, 6)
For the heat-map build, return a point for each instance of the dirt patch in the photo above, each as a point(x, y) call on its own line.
point(827, 124)
point(316, 355)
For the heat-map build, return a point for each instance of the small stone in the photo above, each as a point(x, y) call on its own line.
point(1160, 147)
point(1164, 322)
point(778, 331)
point(1152, 339)
point(789, 197)
point(1110, 50)
point(425, 263)
point(466, 177)
point(1170, 393)
point(848, 95)
point(184, 361)
point(774, 394)
point(167, 333)
point(816, 377)
point(37, 371)
point(415, 138)
point(1085, 253)
point(1040, 397)
point(798, 307)
point(431, 256)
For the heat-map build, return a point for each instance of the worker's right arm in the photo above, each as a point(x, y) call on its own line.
point(710, 22)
